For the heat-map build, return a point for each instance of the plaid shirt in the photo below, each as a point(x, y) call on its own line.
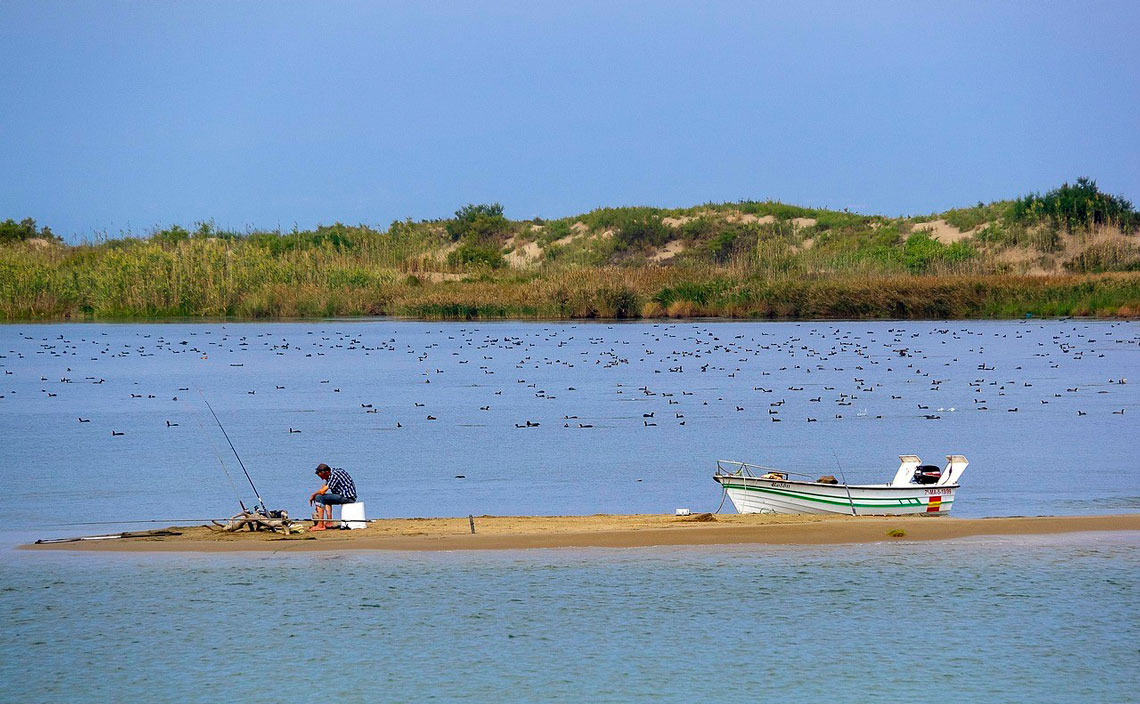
point(340, 483)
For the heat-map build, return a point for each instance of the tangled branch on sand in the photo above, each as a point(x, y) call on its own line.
point(256, 522)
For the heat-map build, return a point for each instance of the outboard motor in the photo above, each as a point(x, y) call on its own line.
point(927, 474)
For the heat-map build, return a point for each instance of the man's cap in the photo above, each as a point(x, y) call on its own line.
point(322, 467)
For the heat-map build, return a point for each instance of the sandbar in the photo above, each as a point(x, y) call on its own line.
point(608, 531)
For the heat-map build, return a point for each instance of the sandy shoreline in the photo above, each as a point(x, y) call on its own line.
point(609, 531)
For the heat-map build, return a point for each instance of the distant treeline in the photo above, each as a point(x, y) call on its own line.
point(12, 231)
point(1071, 251)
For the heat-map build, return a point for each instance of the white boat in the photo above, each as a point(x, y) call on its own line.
point(915, 489)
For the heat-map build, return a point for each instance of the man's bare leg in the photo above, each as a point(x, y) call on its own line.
point(318, 522)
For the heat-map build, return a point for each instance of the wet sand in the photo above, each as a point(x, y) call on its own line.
point(607, 531)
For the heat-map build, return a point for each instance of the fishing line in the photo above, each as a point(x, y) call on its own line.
point(260, 502)
point(844, 478)
point(225, 469)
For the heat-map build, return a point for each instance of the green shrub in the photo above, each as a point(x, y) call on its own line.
point(920, 251)
point(1078, 207)
point(469, 254)
point(644, 231)
point(479, 223)
point(966, 219)
point(554, 231)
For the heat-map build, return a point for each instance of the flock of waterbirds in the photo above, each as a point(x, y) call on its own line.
point(678, 371)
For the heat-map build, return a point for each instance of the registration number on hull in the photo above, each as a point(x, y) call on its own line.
point(938, 491)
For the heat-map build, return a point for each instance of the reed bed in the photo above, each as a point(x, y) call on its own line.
point(742, 260)
point(223, 278)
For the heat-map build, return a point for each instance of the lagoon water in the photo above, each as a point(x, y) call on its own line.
point(1046, 619)
point(996, 619)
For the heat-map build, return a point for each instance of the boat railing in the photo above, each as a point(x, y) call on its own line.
point(744, 469)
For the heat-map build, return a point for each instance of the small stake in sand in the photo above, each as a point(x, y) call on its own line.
point(471, 519)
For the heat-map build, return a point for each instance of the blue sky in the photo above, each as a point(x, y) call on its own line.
point(132, 115)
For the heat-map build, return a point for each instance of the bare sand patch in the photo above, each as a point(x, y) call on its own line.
point(522, 255)
point(671, 249)
point(750, 218)
point(611, 531)
point(1024, 260)
point(803, 222)
point(943, 231)
point(440, 255)
point(676, 222)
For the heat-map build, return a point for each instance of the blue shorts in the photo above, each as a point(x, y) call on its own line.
point(331, 499)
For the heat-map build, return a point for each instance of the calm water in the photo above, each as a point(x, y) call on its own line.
point(1033, 619)
point(723, 378)
point(1050, 619)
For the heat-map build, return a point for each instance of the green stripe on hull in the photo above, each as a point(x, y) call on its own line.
point(885, 503)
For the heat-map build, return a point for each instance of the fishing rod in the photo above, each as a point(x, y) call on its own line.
point(260, 502)
point(170, 521)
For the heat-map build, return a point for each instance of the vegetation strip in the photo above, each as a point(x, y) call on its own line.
point(1071, 251)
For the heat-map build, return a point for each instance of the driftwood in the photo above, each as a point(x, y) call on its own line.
point(248, 520)
point(157, 533)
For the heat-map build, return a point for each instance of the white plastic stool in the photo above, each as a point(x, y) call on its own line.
point(352, 516)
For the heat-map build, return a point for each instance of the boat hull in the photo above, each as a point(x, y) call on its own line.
point(756, 495)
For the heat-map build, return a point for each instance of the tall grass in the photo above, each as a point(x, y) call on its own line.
point(748, 259)
point(224, 278)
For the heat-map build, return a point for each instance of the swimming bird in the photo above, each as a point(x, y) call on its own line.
point(294, 430)
point(171, 425)
point(84, 420)
point(115, 433)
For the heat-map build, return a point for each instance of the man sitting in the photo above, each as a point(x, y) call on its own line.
point(338, 489)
